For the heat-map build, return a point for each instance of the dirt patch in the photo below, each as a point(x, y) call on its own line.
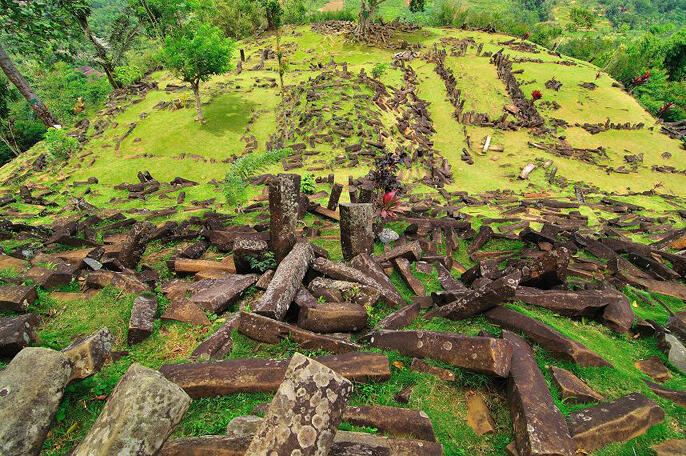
point(334, 5)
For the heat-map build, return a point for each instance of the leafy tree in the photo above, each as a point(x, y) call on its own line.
point(238, 18)
point(30, 28)
point(273, 13)
point(197, 53)
point(582, 17)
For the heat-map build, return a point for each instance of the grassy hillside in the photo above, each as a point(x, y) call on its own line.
point(244, 109)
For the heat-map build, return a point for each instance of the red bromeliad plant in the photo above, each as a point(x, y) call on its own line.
point(536, 95)
point(390, 206)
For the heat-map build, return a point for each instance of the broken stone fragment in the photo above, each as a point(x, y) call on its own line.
point(121, 281)
point(264, 329)
point(333, 317)
point(400, 318)
point(411, 252)
point(674, 447)
point(478, 415)
point(557, 344)
point(674, 349)
point(17, 298)
point(405, 270)
point(243, 426)
point(305, 413)
point(539, 427)
point(139, 415)
point(276, 300)
point(616, 421)
point(392, 420)
point(17, 333)
point(185, 312)
point(357, 235)
point(480, 300)
point(220, 343)
point(618, 315)
point(31, 387)
point(48, 279)
point(341, 290)
point(419, 365)
point(366, 264)
point(480, 354)
point(253, 375)
point(89, 354)
point(572, 389)
point(654, 368)
point(142, 319)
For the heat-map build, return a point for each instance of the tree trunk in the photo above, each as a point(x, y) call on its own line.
point(22, 84)
point(198, 103)
point(364, 20)
point(100, 51)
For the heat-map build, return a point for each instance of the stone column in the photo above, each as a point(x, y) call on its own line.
point(357, 235)
point(284, 192)
point(305, 413)
point(334, 197)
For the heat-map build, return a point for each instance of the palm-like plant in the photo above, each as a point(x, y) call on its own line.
point(390, 206)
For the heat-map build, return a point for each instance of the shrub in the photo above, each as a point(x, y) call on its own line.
point(307, 184)
point(59, 145)
point(128, 74)
point(379, 70)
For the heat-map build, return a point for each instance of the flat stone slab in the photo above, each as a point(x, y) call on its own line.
point(402, 265)
point(539, 427)
point(185, 312)
point(674, 447)
point(220, 343)
point(654, 368)
point(31, 387)
point(367, 265)
point(333, 317)
point(392, 420)
point(557, 344)
point(143, 409)
point(572, 389)
point(480, 354)
point(419, 365)
point(263, 329)
point(478, 415)
point(616, 421)
point(676, 396)
point(569, 303)
point(254, 375)
point(17, 298)
point(401, 318)
point(411, 251)
point(216, 295)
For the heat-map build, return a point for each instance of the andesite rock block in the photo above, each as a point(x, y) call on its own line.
point(89, 354)
point(357, 235)
point(17, 333)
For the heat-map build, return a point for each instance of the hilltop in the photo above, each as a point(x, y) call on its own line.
point(492, 180)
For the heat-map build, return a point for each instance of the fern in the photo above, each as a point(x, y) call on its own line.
point(246, 166)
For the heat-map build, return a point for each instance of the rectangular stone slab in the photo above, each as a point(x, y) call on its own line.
point(333, 317)
point(276, 300)
point(480, 300)
point(217, 296)
point(17, 298)
point(405, 270)
point(392, 420)
point(365, 263)
point(558, 345)
point(255, 375)
point(569, 303)
point(539, 428)
point(411, 252)
point(401, 318)
point(190, 266)
point(263, 329)
point(616, 421)
point(485, 355)
point(220, 343)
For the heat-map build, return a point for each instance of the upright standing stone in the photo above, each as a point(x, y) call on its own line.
point(31, 387)
point(140, 414)
point(334, 197)
point(88, 355)
point(305, 413)
point(357, 235)
point(284, 192)
point(142, 319)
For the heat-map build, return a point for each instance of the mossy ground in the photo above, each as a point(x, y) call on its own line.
point(247, 104)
